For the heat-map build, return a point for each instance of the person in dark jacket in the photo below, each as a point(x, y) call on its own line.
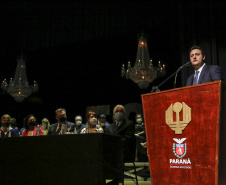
point(203, 73)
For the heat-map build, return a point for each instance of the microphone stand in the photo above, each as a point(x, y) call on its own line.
point(156, 88)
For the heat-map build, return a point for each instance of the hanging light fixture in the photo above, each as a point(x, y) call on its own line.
point(18, 87)
point(143, 71)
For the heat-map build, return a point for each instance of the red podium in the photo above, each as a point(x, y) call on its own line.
point(186, 135)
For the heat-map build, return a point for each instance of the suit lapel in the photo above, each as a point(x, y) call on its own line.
point(115, 128)
point(191, 80)
point(54, 128)
point(121, 127)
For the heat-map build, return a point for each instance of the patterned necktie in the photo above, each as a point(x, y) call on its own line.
point(196, 78)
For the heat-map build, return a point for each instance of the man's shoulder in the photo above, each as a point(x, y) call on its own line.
point(112, 124)
point(53, 125)
point(70, 123)
point(213, 67)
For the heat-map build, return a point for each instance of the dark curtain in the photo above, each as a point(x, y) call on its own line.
point(75, 49)
point(203, 25)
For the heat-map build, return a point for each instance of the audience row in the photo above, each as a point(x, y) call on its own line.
point(94, 124)
point(9, 126)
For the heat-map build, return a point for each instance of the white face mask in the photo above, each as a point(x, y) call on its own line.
point(118, 116)
point(139, 120)
point(102, 124)
point(78, 123)
point(93, 121)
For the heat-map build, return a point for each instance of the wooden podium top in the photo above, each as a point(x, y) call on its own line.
point(181, 88)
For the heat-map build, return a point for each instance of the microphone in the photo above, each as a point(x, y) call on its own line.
point(156, 88)
point(184, 65)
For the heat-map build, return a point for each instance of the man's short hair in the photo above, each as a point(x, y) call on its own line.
point(197, 47)
point(78, 116)
point(102, 116)
point(60, 110)
point(124, 110)
point(138, 115)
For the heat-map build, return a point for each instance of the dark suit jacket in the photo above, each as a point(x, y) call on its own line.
point(53, 127)
point(126, 131)
point(208, 74)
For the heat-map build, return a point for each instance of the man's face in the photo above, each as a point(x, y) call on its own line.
point(60, 114)
point(78, 119)
point(196, 58)
point(119, 109)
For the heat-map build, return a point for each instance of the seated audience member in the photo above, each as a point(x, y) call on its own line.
point(140, 137)
point(6, 131)
point(14, 126)
point(22, 129)
point(79, 125)
point(45, 126)
point(91, 125)
point(31, 128)
point(62, 124)
point(125, 129)
point(103, 122)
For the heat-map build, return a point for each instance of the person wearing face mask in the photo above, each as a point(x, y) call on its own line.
point(103, 122)
point(141, 152)
point(62, 126)
point(45, 126)
point(30, 125)
point(13, 124)
point(79, 125)
point(125, 129)
point(6, 130)
point(91, 125)
point(139, 127)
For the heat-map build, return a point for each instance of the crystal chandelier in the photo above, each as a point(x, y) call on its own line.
point(143, 71)
point(18, 87)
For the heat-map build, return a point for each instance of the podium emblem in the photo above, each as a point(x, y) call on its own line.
point(180, 149)
point(178, 125)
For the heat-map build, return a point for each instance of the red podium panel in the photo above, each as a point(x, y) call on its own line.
point(186, 135)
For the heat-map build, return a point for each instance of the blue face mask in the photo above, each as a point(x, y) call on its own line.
point(118, 116)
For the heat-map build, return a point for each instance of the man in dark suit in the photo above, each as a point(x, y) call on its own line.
point(125, 129)
point(57, 128)
point(203, 73)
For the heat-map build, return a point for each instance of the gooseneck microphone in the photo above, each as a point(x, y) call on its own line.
point(156, 88)
point(181, 67)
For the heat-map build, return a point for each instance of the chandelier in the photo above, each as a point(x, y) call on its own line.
point(143, 71)
point(18, 87)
